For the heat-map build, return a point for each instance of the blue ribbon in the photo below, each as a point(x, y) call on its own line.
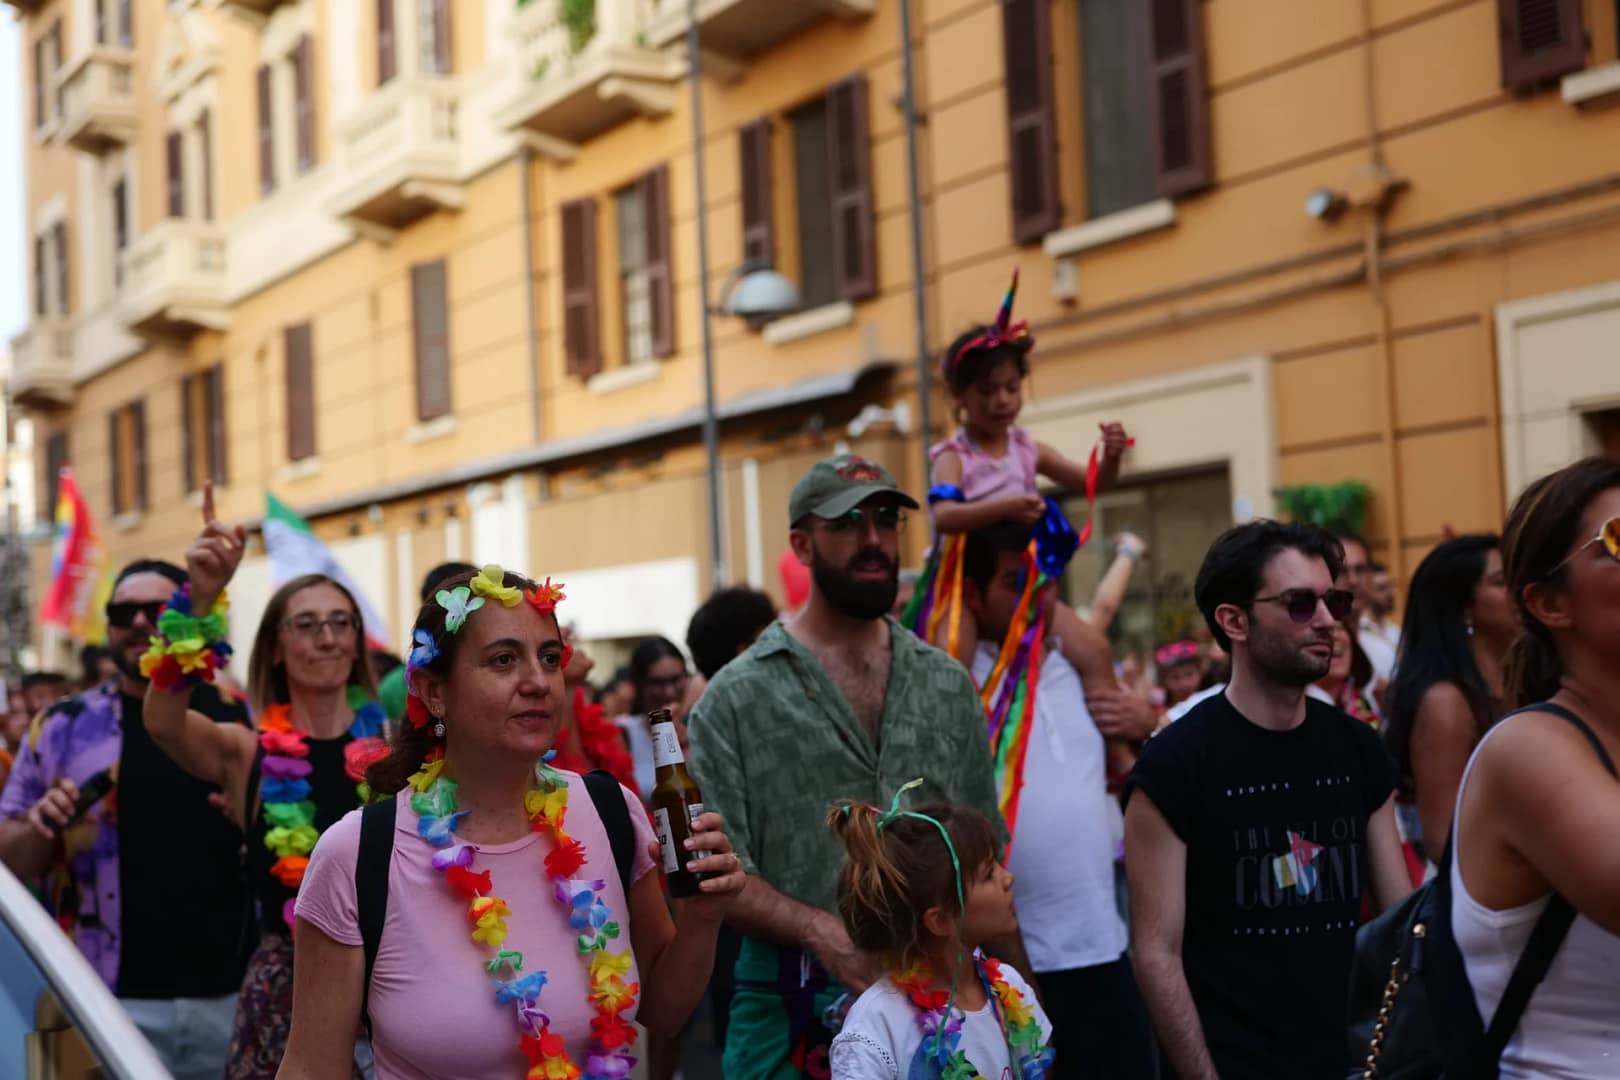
point(1055, 541)
point(945, 493)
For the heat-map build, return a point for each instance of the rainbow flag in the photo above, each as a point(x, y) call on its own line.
point(81, 579)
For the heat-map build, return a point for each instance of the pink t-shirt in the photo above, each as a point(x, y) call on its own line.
point(433, 1009)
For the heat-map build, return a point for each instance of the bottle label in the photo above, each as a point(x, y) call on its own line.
point(666, 745)
point(666, 840)
point(693, 812)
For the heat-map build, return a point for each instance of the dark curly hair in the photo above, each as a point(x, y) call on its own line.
point(1237, 559)
point(963, 369)
point(409, 745)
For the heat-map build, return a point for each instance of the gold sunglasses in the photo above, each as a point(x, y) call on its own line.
point(1608, 535)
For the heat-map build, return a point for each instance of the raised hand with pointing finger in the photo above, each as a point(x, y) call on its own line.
point(213, 557)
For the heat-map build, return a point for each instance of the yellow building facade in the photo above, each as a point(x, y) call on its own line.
point(428, 270)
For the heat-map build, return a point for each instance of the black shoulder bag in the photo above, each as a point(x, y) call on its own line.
point(1412, 1010)
point(377, 852)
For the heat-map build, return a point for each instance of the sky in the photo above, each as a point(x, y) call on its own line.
point(14, 268)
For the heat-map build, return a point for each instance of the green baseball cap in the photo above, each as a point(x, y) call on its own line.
point(834, 486)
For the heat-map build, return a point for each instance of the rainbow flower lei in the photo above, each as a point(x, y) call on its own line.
point(284, 791)
point(942, 1027)
point(187, 649)
point(612, 1036)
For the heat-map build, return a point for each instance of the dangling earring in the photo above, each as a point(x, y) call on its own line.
point(438, 724)
point(1469, 626)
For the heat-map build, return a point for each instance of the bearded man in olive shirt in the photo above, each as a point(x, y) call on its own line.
point(840, 702)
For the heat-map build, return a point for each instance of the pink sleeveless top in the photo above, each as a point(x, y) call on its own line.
point(985, 477)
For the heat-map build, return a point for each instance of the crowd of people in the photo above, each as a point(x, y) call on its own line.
point(1162, 875)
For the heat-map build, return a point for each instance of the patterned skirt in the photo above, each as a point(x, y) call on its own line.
point(264, 1013)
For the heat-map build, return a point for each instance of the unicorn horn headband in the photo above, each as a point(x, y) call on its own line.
point(1002, 332)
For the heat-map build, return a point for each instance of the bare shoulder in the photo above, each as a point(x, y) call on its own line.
point(1444, 712)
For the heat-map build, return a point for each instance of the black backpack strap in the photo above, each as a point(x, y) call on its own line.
point(371, 887)
point(608, 798)
point(1545, 939)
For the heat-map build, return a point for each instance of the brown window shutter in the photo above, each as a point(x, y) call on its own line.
point(267, 139)
point(581, 330)
point(175, 155)
point(59, 247)
point(205, 146)
point(115, 461)
point(854, 249)
point(126, 28)
point(137, 420)
point(758, 234)
point(1541, 40)
point(430, 327)
point(304, 94)
point(1026, 32)
point(56, 65)
point(1180, 97)
point(188, 432)
point(214, 395)
point(387, 62)
point(660, 288)
point(42, 297)
point(442, 61)
point(56, 459)
point(300, 393)
point(39, 83)
point(103, 31)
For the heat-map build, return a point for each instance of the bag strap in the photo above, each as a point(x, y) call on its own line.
point(608, 798)
point(1548, 935)
point(371, 887)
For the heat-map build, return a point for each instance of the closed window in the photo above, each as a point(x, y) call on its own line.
point(120, 223)
point(113, 25)
point(634, 290)
point(833, 195)
point(1541, 41)
point(56, 459)
point(126, 438)
point(299, 352)
point(59, 256)
point(174, 157)
point(266, 101)
point(430, 330)
point(433, 36)
point(202, 425)
point(304, 103)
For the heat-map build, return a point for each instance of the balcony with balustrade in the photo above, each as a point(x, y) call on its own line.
point(399, 154)
point(42, 365)
point(583, 67)
point(98, 100)
point(174, 280)
point(739, 29)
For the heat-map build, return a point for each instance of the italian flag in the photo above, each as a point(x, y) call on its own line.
point(295, 550)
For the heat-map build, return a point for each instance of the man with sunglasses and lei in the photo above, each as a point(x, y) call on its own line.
point(1257, 825)
point(319, 726)
point(839, 702)
point(118, 875)
point(512, 944)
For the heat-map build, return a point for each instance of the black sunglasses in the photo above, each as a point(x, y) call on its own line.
point(123, 613)
point(1301, 603)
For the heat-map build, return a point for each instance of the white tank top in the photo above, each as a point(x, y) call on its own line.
point(1571, 1029)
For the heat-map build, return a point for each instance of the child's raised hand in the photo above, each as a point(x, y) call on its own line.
point(1115, 440)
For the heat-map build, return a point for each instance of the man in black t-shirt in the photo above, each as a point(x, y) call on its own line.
point(149, 880)
point(1255, 827)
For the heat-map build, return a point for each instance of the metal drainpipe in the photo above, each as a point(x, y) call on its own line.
point(919, 287)
point(525, 158)
point(1374, 256)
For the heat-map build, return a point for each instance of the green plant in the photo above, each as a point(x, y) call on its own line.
point(579, 16)
point(1341, 507)
point(541, 66)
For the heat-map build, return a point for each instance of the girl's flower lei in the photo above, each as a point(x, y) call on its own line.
point(284, 791)
point(942, 1027)
point(186, 649)
point(434, 800)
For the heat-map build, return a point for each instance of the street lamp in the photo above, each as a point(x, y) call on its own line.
point(753, 291)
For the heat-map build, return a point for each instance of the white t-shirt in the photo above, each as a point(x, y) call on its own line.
point(1063, 855)
point(882, 1035)
point(1380, 641)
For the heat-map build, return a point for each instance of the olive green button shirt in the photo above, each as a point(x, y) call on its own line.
point(774, 744)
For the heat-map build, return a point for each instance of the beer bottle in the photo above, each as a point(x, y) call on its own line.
point(676, 804)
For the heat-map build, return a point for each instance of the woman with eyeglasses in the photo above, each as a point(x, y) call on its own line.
point(1447, 689)
point(1538, 808)
point(313, 693)
point(661, 679)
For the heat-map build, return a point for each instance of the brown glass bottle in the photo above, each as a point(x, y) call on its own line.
point(676, 804)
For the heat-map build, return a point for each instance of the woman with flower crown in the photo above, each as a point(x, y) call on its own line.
point(318, 727)
point(510, 947)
